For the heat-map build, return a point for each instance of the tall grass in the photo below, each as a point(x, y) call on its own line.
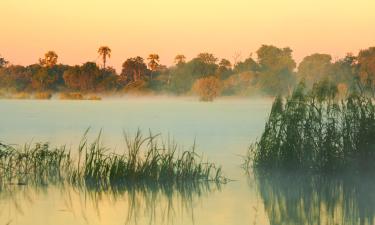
point(315, 131)
point(145, 160)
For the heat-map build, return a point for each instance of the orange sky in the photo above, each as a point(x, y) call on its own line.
point(76, 28)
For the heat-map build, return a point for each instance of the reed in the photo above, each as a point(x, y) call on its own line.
point(145, 159)
point(316, 131)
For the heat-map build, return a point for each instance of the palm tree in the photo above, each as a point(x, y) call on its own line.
point(153, 62)
point(105, 52)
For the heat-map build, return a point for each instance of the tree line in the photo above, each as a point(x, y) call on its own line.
point(272, 72)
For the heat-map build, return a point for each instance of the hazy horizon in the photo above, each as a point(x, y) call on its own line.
point(75, 29)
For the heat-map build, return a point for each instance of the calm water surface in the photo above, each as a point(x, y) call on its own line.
point(222, 129)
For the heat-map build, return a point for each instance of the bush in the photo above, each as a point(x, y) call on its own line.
point(208, 88)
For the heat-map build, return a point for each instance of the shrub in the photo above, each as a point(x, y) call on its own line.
point(208, 88)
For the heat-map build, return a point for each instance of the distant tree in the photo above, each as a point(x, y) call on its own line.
point(208, 88)
point(3, 62)
point(179, 59)
point(42, 80)
point(224, 69)
point(83, 78)
point(224, 63)
point(72, 78)
point(153, 63)
point(248, 65)
point(345, 71)
point(207, 58)
point(104, 52)
point(49, 60)
point(134, 69)
point(276, 69)
point(314, 68)
point(366, 63)
point(15, 78)
point(88, 76)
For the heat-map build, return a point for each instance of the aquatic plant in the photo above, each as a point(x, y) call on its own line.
point(145, 159)
point(316, 131)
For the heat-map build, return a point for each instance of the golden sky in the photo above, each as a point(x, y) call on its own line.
point(76, 28)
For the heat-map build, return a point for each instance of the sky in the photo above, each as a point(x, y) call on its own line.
point(75, 29)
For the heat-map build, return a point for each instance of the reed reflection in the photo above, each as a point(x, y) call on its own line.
point(291, 198)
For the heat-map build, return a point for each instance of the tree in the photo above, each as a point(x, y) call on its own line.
point(225, 63)
point(3, 62)
point(248, 65)
point(50, 59)
point(43, 80)
point(366, 63)
point(276, 69)
point(179, 59)
point(134, 69)
point(225, 69)
point(314, 68)
point(207, 58)
point(208, 88)
point(104, 52)
point(153, 62)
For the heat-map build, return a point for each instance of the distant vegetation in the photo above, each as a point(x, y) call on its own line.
point(318, 131)
point(273, 72)
point(145, 160)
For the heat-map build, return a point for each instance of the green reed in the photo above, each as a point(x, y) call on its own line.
point(316, 131)
point(145, 159)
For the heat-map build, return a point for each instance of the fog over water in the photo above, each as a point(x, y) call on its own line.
point(222, 130)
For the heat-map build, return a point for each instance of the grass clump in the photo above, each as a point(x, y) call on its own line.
point(43, 95)
point(21, 95)
point(71, 96)
point(315, 131)
point(145, 159)
point(94, 97)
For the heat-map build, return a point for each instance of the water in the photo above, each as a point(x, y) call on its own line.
point(222, 129)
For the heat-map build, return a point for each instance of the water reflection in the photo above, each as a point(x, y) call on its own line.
point(304, 199)
point(141, 203)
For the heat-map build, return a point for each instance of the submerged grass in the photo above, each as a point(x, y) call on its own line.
point(316, 131)
point(145, 160)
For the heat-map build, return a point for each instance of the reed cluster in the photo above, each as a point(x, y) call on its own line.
point(315, 131)
point(145, 160)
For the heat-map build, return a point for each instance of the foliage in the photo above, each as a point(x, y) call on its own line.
point(208, 88)
point(49, 60)
point(272, 73)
